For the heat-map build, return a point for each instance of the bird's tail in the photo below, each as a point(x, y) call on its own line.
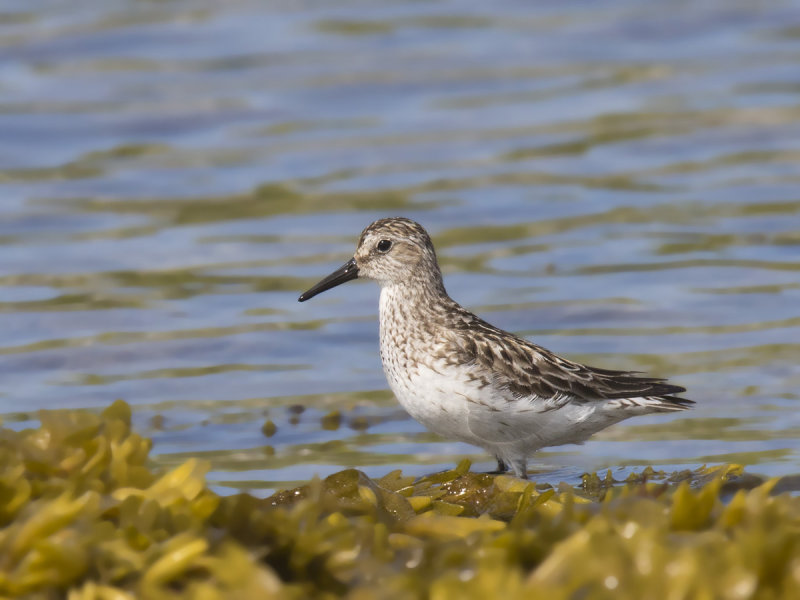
point(650, 404)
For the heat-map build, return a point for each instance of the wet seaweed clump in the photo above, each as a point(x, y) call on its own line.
point(84, 516)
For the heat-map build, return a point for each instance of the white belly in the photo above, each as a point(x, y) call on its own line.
point(434, 399)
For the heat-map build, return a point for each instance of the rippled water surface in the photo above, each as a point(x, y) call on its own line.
point(617, 181)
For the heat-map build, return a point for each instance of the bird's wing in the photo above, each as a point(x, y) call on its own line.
point(527, 371)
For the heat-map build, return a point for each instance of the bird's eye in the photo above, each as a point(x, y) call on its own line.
point(384, 246)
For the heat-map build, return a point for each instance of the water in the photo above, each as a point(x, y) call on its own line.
point(617, 181)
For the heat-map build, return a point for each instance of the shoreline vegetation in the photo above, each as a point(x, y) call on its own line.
point(84, 516)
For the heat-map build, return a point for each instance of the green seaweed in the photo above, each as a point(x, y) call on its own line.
point(84, 516)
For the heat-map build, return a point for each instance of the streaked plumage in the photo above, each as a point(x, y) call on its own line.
point(468, 380)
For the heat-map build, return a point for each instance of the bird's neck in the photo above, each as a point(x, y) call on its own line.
point(408, 304)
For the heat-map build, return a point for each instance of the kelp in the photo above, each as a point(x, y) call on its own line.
point(84, 516)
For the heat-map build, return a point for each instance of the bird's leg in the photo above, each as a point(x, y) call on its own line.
point(502, 467)
point(520, 467)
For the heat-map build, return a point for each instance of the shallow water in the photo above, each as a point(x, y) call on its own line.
point(617, 181)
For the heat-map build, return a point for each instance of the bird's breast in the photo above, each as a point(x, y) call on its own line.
point(430, 387)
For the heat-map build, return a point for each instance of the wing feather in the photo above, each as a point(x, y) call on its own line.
point(530, 371)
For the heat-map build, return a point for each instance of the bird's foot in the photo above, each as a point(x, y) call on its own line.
point(519, 468)
point(501, 468)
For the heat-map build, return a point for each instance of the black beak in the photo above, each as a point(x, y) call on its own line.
point(345, 273)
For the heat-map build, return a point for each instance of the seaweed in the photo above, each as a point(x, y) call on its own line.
point(83, 515)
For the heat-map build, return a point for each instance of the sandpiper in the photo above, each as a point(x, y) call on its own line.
point(467, 380)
